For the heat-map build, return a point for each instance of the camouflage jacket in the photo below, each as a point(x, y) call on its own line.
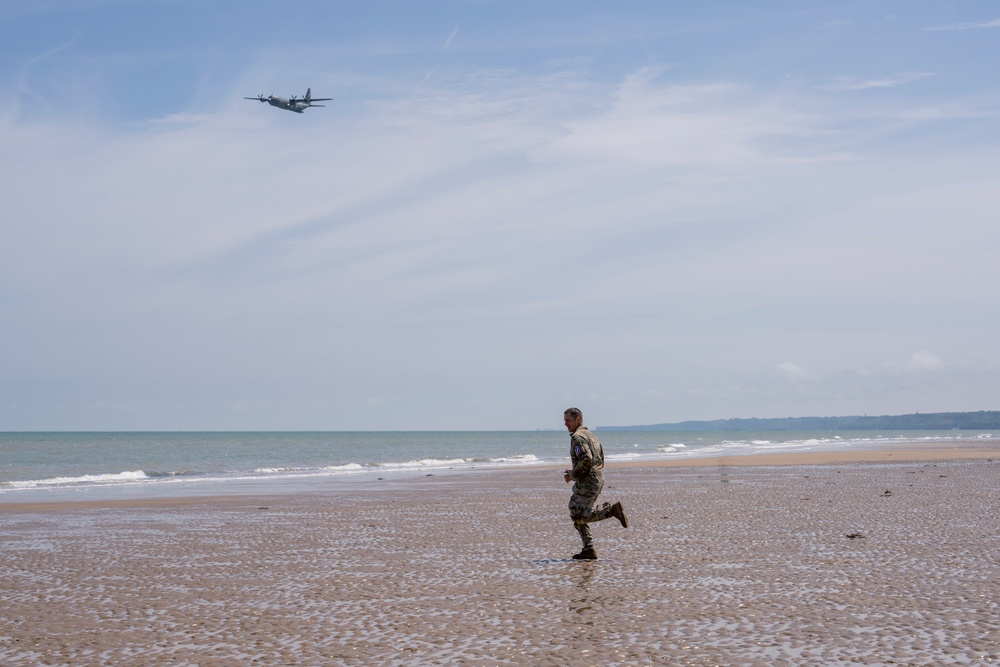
point(587, 455)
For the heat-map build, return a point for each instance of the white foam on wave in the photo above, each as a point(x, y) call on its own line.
point(107, 478)
point(520, 459)
point(345, 467)
point(622, 457)
point(336, 468)
point(514, 459)
point(432, 463)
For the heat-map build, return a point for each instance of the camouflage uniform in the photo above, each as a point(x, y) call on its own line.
point(587, 455)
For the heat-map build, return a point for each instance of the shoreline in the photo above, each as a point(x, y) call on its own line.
point(909, 452)
point(987, 450)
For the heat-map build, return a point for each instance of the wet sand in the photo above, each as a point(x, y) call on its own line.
point(893, 559)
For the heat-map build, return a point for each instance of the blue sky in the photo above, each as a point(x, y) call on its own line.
point(656, 211)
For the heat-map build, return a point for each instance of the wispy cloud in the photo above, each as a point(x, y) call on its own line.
point(924, 361)
point(995, 23)
point(793, 371)
point(647, 121)
point(846, 84)
point(451, 37)
point(24, 88)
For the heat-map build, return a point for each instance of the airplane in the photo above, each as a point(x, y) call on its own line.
point(296, 104)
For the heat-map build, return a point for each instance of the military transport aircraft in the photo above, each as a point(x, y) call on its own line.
point(296, 104)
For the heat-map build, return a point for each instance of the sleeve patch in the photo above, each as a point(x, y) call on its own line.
point(577, 449)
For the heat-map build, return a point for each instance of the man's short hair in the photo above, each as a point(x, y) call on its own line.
point(575, 413)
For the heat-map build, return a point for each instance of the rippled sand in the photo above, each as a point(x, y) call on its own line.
point(877, 563)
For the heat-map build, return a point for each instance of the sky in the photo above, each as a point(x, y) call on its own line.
point(654, 211)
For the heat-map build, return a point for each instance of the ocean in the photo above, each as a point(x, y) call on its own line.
point(63, 466)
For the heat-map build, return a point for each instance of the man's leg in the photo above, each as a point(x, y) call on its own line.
point(618, 512)
point(585, 534)
point(582, 512)
point(581, 509)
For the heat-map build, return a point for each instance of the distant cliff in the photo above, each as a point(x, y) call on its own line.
point(984, 420)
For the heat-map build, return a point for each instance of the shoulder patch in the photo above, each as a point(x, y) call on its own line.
point(577, 449)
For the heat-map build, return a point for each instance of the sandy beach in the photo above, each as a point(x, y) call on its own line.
point(875, 558)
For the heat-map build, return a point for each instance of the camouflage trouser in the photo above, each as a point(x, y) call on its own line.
point(582, 511)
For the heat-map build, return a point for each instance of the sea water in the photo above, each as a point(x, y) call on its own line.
point(90, 465)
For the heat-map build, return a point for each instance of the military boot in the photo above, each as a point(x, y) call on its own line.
point(618, 512)
point(587, 554)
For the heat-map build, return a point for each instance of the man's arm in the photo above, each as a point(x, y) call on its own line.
point(583, 460)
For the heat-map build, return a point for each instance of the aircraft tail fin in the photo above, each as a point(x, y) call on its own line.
point(309, 95)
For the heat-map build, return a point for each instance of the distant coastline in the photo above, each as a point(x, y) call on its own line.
point(936, 421)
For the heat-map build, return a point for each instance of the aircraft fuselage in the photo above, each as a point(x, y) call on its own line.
point(280, 102)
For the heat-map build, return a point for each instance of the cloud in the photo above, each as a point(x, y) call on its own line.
point(995, 23)
point(451, 37)
point(924, 361)
point(182, 118)
point(793, 371)
point(846, 84)
point(649, 123)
